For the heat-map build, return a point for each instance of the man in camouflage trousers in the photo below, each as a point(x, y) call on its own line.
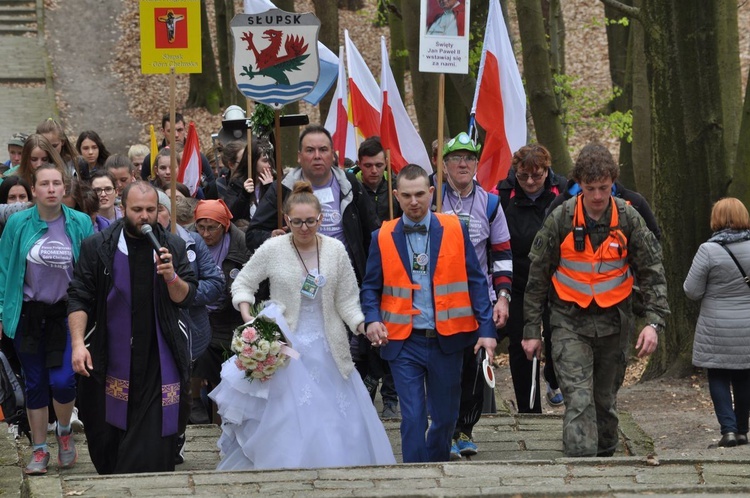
point(585, 260)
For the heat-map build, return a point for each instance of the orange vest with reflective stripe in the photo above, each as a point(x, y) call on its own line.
point(603, 275)
point(450, 288)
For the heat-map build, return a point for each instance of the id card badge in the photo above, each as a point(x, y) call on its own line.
point(465, 219)
point(309, 287)
point(419, 263)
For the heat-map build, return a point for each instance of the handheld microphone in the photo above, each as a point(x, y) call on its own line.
point(149, 233)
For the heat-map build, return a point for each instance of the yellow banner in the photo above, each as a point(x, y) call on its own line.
point(170, 36)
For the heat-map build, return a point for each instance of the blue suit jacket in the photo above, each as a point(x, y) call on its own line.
point(372, 287)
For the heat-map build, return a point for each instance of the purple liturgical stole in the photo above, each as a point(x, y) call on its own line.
point(119, 334)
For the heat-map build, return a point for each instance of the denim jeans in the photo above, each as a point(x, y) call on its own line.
point(723, 384)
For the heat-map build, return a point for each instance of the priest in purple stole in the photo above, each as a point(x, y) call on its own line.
point(129, 338)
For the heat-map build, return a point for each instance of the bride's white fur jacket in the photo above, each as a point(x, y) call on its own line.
point(277, 260)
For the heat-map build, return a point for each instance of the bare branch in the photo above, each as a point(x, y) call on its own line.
point(631, 12)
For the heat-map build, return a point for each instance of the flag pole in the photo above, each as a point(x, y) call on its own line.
point(389, 172)
point(248, 148)
point(172, 152)
point(279, 172)
point(439, 163)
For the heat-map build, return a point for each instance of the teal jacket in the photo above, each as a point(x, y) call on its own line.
point(21, 232)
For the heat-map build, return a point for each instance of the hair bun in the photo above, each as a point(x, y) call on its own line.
point(302, 187)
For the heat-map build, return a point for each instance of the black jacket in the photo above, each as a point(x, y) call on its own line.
point(379, 197)
point(634, 198)
point(357, 216)
point(525, 217)
point(225, 318)
point(92, 281)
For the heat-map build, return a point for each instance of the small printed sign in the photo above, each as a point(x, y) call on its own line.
point(276, 56)
point(170, 36)
point(444, 36)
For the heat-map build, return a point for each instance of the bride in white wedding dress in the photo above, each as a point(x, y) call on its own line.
point(314, 412)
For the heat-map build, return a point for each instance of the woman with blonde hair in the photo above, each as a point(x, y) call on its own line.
point(718, 278)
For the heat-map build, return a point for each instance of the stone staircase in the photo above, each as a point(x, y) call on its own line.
point(18, 17)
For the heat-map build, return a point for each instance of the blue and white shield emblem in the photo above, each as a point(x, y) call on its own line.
point(276, 56)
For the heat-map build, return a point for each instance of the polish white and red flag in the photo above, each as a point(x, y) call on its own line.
point(499, 101)
point(397, 131)
point(338, 122)
point(364, 92)
point(189, 173)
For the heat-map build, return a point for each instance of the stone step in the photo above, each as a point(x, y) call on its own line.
point(17, 19)
point(17, 10)
point(17, 30)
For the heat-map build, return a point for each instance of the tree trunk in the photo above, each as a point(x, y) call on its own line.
point(205, 90)
point(688, 151)
point(399, 59)
point(223, 47)
point(730, 81)
point(328, 14)
point(554, 27)
point(424, 85)
point(350, 4)
point(740, 186)
point(619, 45)
point(640, 103)
point(539, 86)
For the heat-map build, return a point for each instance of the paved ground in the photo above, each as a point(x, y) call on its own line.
point(25, 79)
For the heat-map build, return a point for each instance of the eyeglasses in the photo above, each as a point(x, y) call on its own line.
point(524, 177)
point(105, 190)
point(297, 222)
point(457, 159)
point(207, 229)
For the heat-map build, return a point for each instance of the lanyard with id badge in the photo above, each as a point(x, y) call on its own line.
point(419, 260)
point(313, 280)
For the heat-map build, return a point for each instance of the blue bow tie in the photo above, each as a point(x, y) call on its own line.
point(415, 229)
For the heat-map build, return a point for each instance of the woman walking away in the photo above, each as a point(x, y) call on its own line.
point(721, 345)
point(37, 254)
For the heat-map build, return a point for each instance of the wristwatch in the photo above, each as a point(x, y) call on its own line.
point(504, 293)
point(658, 328)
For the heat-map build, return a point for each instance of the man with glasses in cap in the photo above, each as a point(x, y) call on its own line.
point(480, 212)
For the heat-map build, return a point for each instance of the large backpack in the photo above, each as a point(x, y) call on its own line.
point(12, 399)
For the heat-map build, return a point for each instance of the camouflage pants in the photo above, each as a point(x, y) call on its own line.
point(588, 370)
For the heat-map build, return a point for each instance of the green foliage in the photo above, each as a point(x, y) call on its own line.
point(475, 54)
point(261, 120)
point(599, 23)
point(381, 14)
point(582, 106)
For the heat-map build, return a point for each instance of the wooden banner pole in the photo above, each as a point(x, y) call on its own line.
point(439, 163)
point(279, 169)
point(172, 151)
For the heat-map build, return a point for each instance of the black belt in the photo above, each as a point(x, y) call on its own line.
point(429, 333)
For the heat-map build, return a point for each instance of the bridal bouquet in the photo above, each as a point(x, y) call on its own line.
point(260, 348)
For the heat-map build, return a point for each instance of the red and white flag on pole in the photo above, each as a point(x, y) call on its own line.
point(338, 122)
point(190, 166)
point(499, 101)
point(397, 132)
point(364, 92)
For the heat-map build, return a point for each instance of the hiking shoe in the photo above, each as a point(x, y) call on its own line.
point(67, 454)
point(180, 455)
point(390, 410)
point(554, 396)
point(466, 446)
point(455, 453)
point(75, 423)
point(38, 464)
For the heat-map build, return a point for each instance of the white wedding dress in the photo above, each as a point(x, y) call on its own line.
point(306, 416)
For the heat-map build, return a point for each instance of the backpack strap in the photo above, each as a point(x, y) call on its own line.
point(493, 201)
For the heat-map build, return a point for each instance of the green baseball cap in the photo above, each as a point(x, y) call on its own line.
point(18, 139)
point(462, 141)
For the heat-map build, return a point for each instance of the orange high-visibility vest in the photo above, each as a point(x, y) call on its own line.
point(603, 275)
point(450, 288)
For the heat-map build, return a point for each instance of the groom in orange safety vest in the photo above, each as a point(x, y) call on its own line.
point(425, 300)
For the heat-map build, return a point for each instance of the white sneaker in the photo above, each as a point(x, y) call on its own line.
point(75, 423)
point(52, 427)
